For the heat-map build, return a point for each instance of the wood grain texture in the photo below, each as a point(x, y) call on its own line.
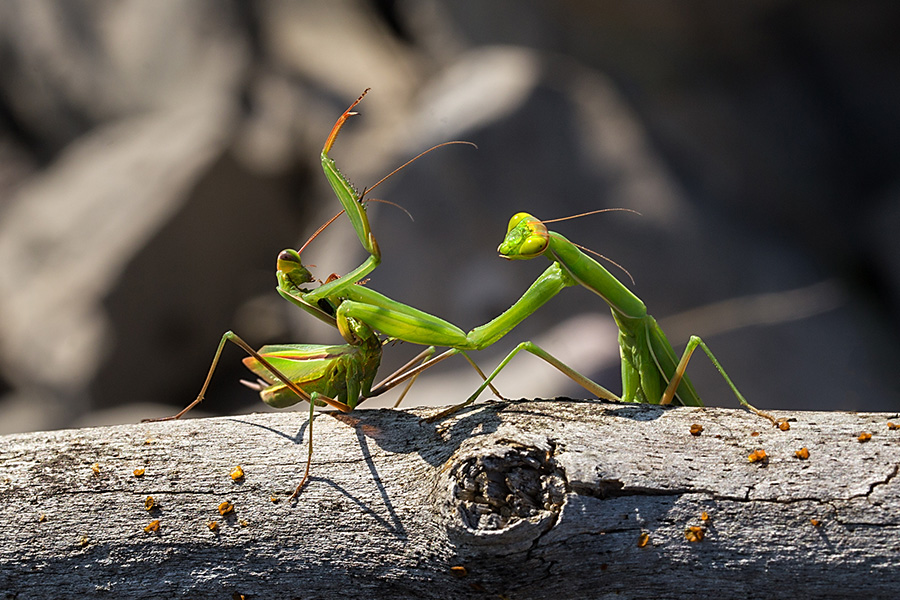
point(535, 499)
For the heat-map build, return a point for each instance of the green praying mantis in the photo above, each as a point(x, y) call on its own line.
point(342, 376)
point(651, 370)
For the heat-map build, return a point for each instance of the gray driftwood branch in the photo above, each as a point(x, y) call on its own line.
point(530, 499)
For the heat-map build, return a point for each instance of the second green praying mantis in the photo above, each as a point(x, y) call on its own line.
point(651, 370)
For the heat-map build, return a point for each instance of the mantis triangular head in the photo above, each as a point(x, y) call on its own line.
point(526, 237)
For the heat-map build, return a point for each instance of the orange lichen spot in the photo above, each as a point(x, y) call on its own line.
point(274, 499)
point(149, 503)
point(864, 437)
point(815, 522)
point(694, 533)
point(802, 453)
point(96, 469)
point(643, 540)
point(459, 571)
point(784, 426)
point(892, 425)
point(754, 434)
point(757, 456)
point(244, 523)
point(225, 508)
point(212, 525)
point(704, 516)
point(237, 473)
point(84, 541)
point(153, 526)
point(138, 472)
point(696, 429)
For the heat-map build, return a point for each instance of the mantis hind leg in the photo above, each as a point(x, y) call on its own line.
point(692, 345)
point(411, 373)
point(229, 336)
point(591, 386)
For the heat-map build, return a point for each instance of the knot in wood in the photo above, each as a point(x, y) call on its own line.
point(496, 491)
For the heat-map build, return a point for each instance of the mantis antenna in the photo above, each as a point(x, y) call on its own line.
point(595, 253)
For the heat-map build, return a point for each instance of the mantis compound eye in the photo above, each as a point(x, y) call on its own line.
point(534, 244)
point(288, 256)
point(289, 264)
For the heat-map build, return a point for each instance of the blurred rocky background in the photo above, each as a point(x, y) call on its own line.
point(156, 156)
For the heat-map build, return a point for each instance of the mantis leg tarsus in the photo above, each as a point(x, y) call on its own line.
point(692, 345)
point(329, 142)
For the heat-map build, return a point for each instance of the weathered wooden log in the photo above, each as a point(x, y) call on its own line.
point(529, 499)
